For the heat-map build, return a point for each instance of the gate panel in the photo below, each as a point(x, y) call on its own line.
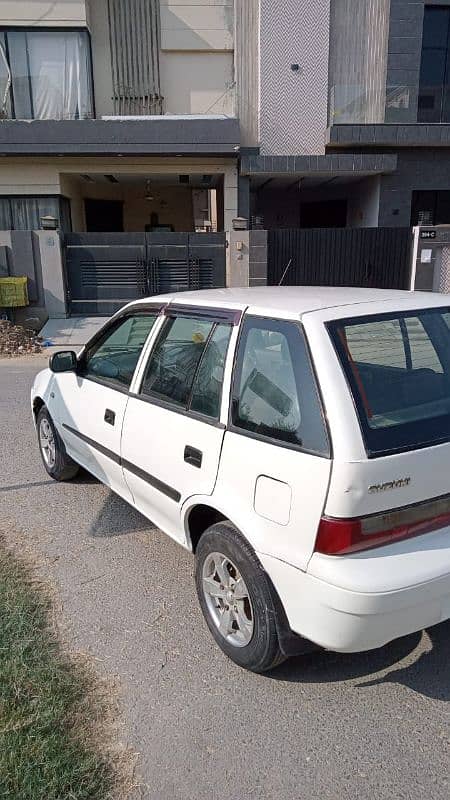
point(207, 260)
point(104, 271)
point(107, 270)
point(367, 257)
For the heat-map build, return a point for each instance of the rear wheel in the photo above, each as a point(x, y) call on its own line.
point(56, 461)
point(236, 599)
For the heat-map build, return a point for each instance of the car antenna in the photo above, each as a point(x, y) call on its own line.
point(285, 272)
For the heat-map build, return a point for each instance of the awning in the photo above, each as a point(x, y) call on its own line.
point(333, 165)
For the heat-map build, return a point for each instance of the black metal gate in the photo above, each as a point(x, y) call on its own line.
point(106, 270)
point(368, 257)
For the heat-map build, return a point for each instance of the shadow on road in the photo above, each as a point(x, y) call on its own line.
point(118, 518)
point(428, 674)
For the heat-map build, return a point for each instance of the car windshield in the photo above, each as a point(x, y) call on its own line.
point(398, 368)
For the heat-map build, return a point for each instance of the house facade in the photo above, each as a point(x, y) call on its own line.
point(346, 116)
point(172, 118)
point(118, 115)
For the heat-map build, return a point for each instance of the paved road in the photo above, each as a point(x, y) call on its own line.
point(326, 726)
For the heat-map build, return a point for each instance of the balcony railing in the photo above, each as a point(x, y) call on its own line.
point(356, 104)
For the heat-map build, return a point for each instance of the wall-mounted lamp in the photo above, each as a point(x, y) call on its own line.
point(49, 223)
point(240, 224)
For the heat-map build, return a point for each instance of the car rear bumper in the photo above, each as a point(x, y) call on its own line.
point(348, 621)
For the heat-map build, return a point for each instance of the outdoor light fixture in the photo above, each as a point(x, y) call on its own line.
point(240, 224)
point(49, 223)
point(148, 193)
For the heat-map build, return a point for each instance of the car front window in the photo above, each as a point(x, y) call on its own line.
point(114, 356)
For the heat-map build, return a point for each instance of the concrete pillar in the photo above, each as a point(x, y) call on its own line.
point(230, 196)
point(244, 197)
point(258, 258)
point(50, 248)
point(238, 253)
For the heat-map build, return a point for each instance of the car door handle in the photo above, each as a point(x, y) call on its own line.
point(110, 416)
point(193, 456)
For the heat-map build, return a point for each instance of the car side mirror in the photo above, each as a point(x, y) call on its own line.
point(64, 361)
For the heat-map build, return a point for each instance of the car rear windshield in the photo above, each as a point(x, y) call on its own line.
point(398, 368)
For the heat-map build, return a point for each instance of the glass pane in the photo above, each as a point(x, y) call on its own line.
point(27, 212)
point(377, 343)
point(268, 402)
point(20, 78)
point(5, 214)
point(115, 356)
point(51, 74)
point(403, 400)
point(5, 83)
point(207, 391)
point(174, 361)
point(423, 353)
point(432, 79)
point(435, 27)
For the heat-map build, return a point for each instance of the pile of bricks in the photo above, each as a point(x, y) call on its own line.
point(17, 341)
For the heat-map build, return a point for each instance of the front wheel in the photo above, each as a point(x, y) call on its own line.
point(56, 461)
point(236, 599)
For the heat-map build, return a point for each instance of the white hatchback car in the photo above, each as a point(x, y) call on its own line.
point(297, 440)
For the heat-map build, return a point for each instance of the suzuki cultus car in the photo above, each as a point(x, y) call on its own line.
point(296, 440)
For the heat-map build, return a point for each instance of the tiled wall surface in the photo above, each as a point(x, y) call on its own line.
point(294, 103)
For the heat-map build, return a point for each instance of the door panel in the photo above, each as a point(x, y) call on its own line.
point(172, 437)
point(153, 452)
point(80, 407)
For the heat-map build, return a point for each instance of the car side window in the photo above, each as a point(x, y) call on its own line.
point(275, 394)
point(206, 394)
point(114, 356)
point(186, 366)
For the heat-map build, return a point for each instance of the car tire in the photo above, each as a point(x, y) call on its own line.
point(236, 599)
point(58, 464)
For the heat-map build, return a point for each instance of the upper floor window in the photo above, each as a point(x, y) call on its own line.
point(434, 91)
point(45, 74)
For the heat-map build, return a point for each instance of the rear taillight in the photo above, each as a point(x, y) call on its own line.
point(339, 536)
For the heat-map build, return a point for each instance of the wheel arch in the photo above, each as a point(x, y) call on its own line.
point(38, 403)
point(198, 518)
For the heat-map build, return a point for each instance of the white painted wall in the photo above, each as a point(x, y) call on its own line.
point(199, 25)
point(43, 12)
point(101, 57)
point(196, 57)
point(197, 83)
point(364, 203)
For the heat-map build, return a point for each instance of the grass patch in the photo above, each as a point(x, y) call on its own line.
point(50, 710)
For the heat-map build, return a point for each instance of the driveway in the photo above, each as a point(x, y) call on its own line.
point(332, 726)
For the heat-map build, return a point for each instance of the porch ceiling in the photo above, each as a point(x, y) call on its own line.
point(187, 179)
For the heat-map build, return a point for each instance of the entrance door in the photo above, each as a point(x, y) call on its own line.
point(104, 216)
point(172, 436)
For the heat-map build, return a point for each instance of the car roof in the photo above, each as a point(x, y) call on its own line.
point(293, 301)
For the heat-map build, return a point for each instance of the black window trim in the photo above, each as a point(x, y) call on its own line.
point(331, 326)
point(233, 396)
point(224, 315)
point(186, 411)
point(113, 323)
